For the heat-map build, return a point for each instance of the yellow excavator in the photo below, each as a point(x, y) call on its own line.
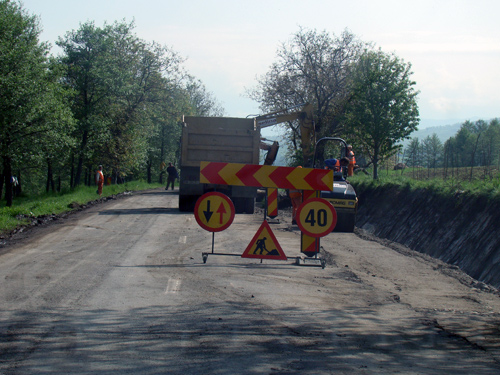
point(306, 126)
point(343, 197)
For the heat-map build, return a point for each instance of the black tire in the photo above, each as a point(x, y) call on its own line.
point(345, 222)
point(187, 203)
point(249, 206)
point(243, 205)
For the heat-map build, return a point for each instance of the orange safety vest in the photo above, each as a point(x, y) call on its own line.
point(99, 178)
point(352, 159)
point(337, 166)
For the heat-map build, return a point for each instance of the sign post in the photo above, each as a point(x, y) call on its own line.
point(316, 218)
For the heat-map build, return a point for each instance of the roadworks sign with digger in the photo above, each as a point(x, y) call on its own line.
point(264, 245)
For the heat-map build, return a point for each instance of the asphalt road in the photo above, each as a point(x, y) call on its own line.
point(122, 288)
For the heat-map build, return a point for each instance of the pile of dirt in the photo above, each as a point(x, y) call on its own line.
point(460, 230)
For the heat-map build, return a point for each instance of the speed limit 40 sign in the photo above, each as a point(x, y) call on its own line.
point(316, 217)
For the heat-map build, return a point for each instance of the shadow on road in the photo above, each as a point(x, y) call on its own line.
point(141, 211)
point(226, 338)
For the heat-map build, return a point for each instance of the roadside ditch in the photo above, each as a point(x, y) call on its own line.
point(460, 230)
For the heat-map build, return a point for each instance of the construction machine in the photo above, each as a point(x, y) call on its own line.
point(306, 127)
point(343, 197)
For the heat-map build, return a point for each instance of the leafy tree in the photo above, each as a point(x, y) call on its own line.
point(189, 97)
point(432, 151)
point(164, 140)
point(118, 79)
point(490, 147)
point(313, 67)
point(33, 116)
point(475, 144)
point(413, 153)
point(202, 102)
point(383, 109)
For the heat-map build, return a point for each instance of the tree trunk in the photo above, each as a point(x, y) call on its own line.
point(50, 179)
point(148, 171)
point(473, 157)
point(79, 167)
point(72, 176)
point(18, 188)
point(162, 154)
point(375, 162)
point(7, 171)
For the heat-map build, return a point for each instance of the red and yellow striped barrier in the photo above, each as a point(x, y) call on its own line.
point(266, 176)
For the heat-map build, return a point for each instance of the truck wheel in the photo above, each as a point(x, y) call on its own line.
point(243, 205)
point(187, 203)
point(249, 206)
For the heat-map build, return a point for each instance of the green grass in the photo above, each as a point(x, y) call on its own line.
point(23, 208)
point(489, 186)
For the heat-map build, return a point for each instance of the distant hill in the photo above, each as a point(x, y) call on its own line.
point(444, 132)
point(444, 129)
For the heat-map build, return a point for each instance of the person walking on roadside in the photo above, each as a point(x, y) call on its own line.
point(352, 161)
point(172, 175)
point(99, 180)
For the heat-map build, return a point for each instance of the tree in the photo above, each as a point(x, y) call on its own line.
point(383, 109)
point(202, 102)
point(432, 151)
point(32, 108)
point(313, 67)
point(118, 79)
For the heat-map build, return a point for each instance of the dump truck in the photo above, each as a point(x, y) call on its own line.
point(230, 140)
point(217, 139)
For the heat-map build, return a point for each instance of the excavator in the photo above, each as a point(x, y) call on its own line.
point(305, 117)
point(343, 197)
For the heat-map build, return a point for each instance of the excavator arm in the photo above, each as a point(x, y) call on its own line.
point(306, 124)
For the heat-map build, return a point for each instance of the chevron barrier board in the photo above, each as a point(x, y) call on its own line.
point(272, 202)
point(266, 176)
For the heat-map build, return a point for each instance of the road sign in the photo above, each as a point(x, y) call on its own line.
point(266, 176)
point(316, 217)
point(264, 245)
point(214, 211)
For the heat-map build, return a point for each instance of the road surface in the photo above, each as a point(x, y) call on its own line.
point(122, 288)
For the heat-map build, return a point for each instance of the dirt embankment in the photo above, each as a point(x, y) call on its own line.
point(461, 230)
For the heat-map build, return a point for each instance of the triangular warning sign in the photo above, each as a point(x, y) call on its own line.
point(264, 245)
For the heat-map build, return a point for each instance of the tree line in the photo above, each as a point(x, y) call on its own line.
point(476, 144)
point(358, 92)
point(110, 98)
point(114, 99)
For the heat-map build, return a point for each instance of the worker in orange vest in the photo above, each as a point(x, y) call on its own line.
point(352, 161)
point(336, 164)
point(99, 180)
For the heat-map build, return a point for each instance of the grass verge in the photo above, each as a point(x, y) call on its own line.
point(24, 209)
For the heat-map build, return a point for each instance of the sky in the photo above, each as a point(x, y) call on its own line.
point(452, 45)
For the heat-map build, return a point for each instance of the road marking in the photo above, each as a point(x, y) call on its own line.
point(182, 239)
point(173, 286)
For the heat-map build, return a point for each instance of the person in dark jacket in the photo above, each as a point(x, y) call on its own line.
point(172, 175)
